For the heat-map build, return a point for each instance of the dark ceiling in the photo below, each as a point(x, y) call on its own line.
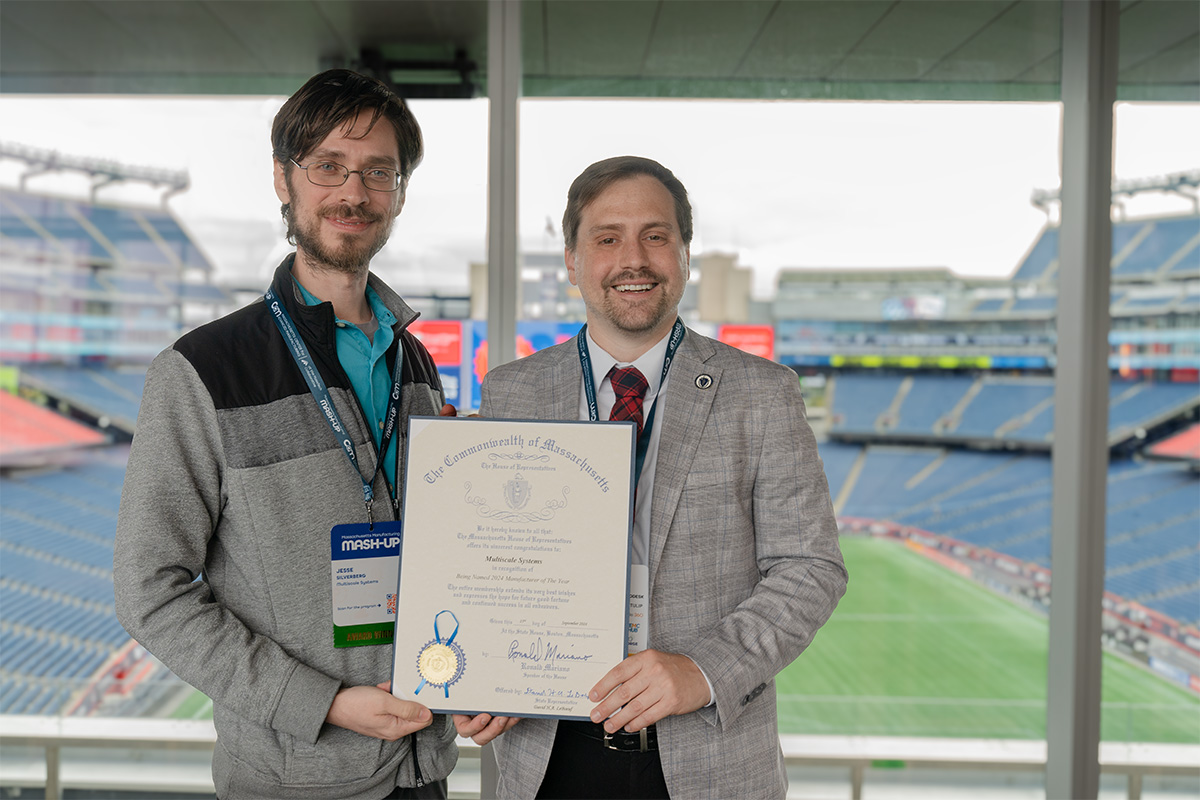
point(887, 49)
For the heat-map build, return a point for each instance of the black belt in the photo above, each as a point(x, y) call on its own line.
point(643, 741)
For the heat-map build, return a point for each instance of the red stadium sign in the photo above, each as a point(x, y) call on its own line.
point(442, 338)
point(758, 340)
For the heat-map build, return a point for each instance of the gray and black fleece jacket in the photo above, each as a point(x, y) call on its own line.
point(235, 476)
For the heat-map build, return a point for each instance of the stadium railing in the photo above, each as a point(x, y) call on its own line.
point(858, 754)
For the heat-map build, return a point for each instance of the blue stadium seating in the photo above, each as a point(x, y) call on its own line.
point(989, 305)
point(1038, 429)
point(131, 380)
point(58, 626)
point(55, 217)
point(998, 402)
point(1044, 251)
point(138, 285)
point(930, 399)
point(995, 523)
point(122, 233)
point(1176, 538)
point(120, 227)
point(1184, 606)
point(1145, 583)
point(197, 292)
point(1041, 302)
point(1168, 237)
point(1004, 502)
point(1129, 482)
point(1035, 549)
point(1012, 478)
point(1188, 265)
point(31, 533)
point(1153, 401)
point(1165, 238)
point(1149, 304)
point(176, 239)
point(115, 394)
point(18, 235)
point(76, 281)
point(838, 458)
point(1123, 233)
point(958, 471)
point(860, 399)
point(53, 575)
point(880, 488)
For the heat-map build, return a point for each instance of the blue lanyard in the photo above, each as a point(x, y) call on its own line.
point(320, 393)
point(589, 389)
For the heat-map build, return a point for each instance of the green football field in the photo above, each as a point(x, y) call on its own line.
point(916, 650)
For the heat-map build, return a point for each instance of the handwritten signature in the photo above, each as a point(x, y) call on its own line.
point(539, 651)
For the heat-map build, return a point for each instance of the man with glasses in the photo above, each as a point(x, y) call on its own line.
point(269, 444)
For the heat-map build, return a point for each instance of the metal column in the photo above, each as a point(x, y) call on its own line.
point(504, 91)
point(1080, 454)
point(504, 94)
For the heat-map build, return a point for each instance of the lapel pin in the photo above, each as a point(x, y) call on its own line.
point(703, 381)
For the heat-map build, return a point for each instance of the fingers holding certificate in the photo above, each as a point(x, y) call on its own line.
point(514, 566)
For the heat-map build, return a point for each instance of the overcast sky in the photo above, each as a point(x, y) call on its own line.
point(781, 184)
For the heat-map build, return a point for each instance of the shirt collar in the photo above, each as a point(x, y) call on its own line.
point(650, 364)
point(382, 313)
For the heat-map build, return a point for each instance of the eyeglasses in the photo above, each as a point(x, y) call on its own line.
point(329, 173)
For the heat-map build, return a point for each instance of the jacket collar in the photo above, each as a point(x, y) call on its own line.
point(316, 323)
point(685, 415)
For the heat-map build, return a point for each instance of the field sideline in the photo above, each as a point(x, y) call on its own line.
point(916, 650)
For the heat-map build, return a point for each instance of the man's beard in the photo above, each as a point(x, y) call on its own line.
point(349, 254)
point(643, 319)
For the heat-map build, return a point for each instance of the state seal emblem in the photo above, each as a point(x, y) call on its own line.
point(517, 492)
point(441, 663)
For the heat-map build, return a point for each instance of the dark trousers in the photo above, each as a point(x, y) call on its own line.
point(581, 768)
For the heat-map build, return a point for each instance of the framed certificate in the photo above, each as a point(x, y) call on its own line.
point(514, 564)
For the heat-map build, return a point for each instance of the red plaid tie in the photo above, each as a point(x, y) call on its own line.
point(630, 387)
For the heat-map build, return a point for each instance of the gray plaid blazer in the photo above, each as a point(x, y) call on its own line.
point(744, 557)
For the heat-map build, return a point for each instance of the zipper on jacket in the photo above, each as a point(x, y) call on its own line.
point(416, 761)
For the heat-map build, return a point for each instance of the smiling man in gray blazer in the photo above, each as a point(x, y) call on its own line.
point(733, 524)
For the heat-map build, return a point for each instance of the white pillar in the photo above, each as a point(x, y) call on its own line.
point(1080, 454)
point(504, 92)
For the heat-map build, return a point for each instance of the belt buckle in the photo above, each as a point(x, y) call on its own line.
point(644, 742)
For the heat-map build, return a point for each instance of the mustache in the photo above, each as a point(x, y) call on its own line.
point(350, 212)
point(641, 276)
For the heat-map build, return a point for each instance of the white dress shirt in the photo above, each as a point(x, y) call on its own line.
point(650, 364)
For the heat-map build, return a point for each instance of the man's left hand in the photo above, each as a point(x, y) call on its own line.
point(646, 687)
point(373, 711)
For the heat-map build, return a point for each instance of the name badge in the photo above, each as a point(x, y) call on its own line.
point(364, 568)
point(638, 635)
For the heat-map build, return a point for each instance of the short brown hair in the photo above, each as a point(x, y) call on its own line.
point(334, 98)
point(599, 176)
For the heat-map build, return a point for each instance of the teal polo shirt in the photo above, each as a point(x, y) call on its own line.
point(366, 366)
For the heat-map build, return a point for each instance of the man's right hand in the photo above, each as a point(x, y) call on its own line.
point(482, 728)
point(373, 711)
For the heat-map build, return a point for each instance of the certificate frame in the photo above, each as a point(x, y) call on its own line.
point(513, 581)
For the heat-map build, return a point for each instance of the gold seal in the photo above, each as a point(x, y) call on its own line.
point(437, 663)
